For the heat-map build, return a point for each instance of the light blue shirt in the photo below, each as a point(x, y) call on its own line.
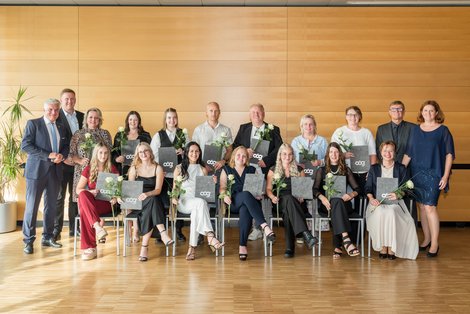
point(317, 146)
point(72, 121)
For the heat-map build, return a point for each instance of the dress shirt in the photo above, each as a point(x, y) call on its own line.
point(72, 120)
point(204, 134)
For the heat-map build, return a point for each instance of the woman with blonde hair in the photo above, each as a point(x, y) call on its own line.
point(242, 202)
point(309, 142)
point(293, 215)
point(90, 207)
point(145, 169)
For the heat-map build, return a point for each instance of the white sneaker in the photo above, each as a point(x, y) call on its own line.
point(89, 254)
point(255, 234)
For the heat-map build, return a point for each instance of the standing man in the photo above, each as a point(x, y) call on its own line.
point(45, 142)
point(396, 130)
point(251, 130)
point(211, 131)
point(73, 121)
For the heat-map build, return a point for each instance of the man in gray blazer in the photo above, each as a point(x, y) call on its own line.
point(45, 142)
point(73, 121)
point(396, 130)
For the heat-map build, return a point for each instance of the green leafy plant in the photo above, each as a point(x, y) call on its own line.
point(11, 157)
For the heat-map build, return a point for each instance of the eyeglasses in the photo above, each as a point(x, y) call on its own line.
point(396, 109)
point(352, 115)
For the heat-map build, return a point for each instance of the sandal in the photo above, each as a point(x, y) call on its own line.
point(242, 256)
point(337, 254)
point(270, 237)
point(191, 256)
point(169, 242)
point(102, 240)
point(217, 244)
point(143, 258)
point(347, 244)
point(100, 233)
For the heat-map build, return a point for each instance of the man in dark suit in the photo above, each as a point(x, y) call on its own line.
point(73, 121)
point(396, 130)
point(45, 142)
point(252, 130)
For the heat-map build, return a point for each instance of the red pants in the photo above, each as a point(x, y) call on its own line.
point(90, 209)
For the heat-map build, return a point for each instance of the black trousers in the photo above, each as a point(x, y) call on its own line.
point(340, 212)
point(66, 184)
point(248, 208)
point(293, 217)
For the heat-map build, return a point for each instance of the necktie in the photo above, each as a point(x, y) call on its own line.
point(54, 137)
point(395, 133)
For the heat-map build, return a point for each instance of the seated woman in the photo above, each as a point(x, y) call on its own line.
point(145, 169)
point(340, 208)
point(293, 214)
point(90, 208)
point(243, 202)
point(390, 226)
point(192, 166)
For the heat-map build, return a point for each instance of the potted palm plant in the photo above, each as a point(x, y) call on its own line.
point(11, 158)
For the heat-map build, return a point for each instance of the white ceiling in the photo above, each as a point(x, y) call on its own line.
point(242, 2)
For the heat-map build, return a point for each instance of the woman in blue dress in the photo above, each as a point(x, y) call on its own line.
point(429, 154)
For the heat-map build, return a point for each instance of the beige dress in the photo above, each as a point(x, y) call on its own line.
point(392, 226)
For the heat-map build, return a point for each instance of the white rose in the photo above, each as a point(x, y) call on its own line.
point(270, 126)
point(231, 177)
point(277, 176)
point(223, 134)
point(329, 175)
point(300, 147)
point(340, 133)
point(87, 135)
point(185, 131)
point(325, 187)
point(120, 178)
point(121, 129)
point(108, 179)
point(179, 178)
point(410, 184)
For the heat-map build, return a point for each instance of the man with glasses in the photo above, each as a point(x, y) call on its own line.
point(396, 130)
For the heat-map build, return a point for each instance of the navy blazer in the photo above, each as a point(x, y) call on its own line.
point(36, 143)
point(244, 138)
point(385, 133)
point(63, 119)
point(375, 171)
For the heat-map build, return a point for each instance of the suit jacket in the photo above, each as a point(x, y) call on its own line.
point(375, 171)
point(36, 143)
point(63, 119)
point(384, 133)
point(244, 138)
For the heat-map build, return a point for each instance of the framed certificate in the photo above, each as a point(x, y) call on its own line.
point(128, 151)
point(205, 188)
point(385, 186)
point(167, 159)
point(261, 149)
point(302, 187)
point(103, 187)
point(361, 161)
point(254, 183)
point(130, 193)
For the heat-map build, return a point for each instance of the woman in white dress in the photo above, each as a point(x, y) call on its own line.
point(390, 226)
point(192, 166)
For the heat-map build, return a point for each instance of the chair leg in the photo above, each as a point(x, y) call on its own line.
point(118, 244)
point(222, 236)
point(75, 236)
point(126, 235)
point(319, 237)
point(167, 249)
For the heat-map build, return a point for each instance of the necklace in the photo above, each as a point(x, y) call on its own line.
point(334, 172)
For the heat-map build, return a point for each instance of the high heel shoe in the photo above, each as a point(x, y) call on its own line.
point(167, 243)
point(242, 256)
point(270, 237)
point(143, 258)
point(354, 251)
point(424, 248)
point(191, 256)
point(433, 254)
point(309, 239)
point(217, 245)
point(383, 255)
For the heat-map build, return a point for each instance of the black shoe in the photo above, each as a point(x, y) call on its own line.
point(289, 253)
point(433, 254)
point(28, 248)
point(383, 255)
point(51, 243)
point(391, 256)
point(56, 237)
point(242, 256)
point(180, 236)
point(200, 239)
point(309, 239)
point(424, 248)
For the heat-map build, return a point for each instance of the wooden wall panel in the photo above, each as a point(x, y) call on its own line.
point(38, 33)
point(158, 98)
point(183, 73)
point(379, 34)
point(183, 33)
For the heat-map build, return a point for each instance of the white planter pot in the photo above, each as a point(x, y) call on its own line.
point(7, 217)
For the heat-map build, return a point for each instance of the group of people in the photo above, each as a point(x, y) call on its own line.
point(60, 158)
